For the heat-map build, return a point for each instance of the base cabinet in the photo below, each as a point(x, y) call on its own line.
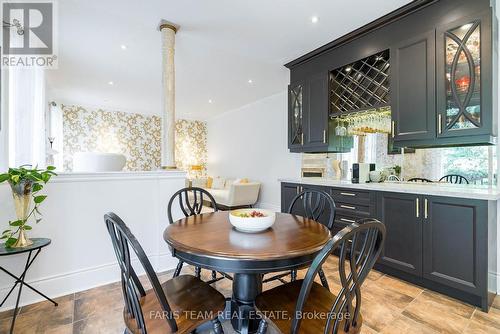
point(445, 244)
point(403, 244)
point(442, 242)
point(455, 239)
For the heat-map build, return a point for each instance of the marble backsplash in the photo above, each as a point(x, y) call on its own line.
point(476, 163)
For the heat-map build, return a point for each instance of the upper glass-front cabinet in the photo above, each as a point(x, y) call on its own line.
point(296, 115)
point(461, 105)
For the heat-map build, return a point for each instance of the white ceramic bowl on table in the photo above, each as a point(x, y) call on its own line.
point(243, 221)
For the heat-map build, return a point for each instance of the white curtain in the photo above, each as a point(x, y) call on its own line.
point(27, 105)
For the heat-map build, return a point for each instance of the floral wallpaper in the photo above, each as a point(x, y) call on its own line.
point(190, 144)
point(136, 136)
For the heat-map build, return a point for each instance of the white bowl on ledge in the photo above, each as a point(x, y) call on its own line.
point(242, 220)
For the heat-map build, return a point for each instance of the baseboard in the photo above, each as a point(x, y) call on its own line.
point(80, 280)
point(494, 281)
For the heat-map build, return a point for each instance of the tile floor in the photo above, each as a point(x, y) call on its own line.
point(389, 306)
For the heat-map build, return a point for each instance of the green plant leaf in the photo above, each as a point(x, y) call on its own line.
point(39, 199)
point(4, 177)
point(15, 178)
point(51, 168)
point(46, 177)
point(37, 187)
point(6, 231)
point(27, 227)
point(10, 242)
point(16, 223)
point(4, 237)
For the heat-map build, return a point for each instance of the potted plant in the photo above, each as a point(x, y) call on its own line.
point(26, 183)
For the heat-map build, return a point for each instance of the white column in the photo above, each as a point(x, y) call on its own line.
point(168, 31)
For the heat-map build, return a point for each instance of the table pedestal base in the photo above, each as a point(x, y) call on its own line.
point(243, 316)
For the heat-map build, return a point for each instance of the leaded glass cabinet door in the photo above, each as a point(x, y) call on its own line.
point(464, 77)
point(295, 115)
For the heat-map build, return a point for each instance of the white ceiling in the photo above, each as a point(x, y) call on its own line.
point(220, 46)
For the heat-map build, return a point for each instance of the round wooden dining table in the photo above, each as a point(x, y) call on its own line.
point(209, 241)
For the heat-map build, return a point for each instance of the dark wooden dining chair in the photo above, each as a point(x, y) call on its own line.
point(317, 205)
point(359, 246)
point(191, 202)
point(172, 307)
point(420, 179)
point(455, 179)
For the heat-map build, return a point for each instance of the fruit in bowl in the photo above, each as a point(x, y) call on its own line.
point(252, 220)
point(252, 214)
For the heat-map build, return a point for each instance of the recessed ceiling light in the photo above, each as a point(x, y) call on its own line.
point(250, 81)
point(123, 47)
point(210, 101)
point(111, 83)
point(314, 19)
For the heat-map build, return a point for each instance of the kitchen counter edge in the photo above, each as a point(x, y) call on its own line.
point(435, 189)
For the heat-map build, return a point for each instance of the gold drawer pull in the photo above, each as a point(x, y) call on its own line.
point(347, 220)
point(348, 207)
point(426, 215)
point(348, 194)
point(417, 208)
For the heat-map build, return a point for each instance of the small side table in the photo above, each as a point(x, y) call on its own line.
point(36, 247)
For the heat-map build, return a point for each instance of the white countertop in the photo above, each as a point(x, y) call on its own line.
point(431, 189)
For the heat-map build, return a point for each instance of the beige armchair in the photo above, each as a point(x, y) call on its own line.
point(233, 194)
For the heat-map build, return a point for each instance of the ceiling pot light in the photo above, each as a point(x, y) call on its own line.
point(210, 101)
point(250, 81)
point(111, 83)
point(123, 47)
point(314, 19)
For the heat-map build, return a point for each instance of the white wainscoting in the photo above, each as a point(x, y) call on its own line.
point(81, 256)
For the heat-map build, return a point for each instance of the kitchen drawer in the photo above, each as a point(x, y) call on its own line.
point(350, 196)
point(343, 220)
point(354, 209)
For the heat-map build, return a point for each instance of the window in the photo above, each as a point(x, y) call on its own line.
point(26, 117)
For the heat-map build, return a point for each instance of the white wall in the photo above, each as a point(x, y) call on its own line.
point(81, 255)
point(251, 142)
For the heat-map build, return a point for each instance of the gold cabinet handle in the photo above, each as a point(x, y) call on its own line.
point(348, 194)
point(347, 220)
point(426, 208)
point(417, 208)
point(392, 128)
point(440, 121)
point(348, 207)
point(324, 136)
